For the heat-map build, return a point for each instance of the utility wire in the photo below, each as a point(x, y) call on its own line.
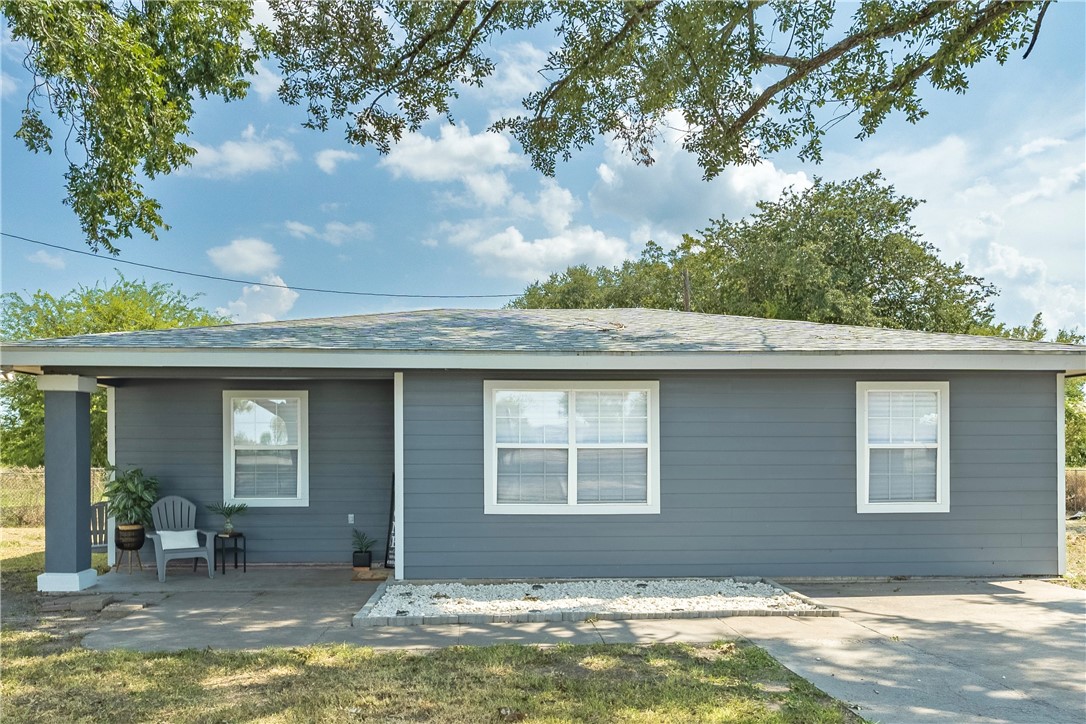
point(263, 284)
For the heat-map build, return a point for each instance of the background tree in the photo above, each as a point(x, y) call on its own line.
point(124, 305)
point(843, 253)
point(748, 78)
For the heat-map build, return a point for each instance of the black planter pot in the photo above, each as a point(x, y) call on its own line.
point(362, 559)
point(129, 537)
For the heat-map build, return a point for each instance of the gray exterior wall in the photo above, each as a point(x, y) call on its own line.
point(758, 477)
point(173, 429)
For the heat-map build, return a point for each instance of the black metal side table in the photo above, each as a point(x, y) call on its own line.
point(234, 538)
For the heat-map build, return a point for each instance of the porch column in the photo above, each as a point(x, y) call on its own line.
point(67, 483)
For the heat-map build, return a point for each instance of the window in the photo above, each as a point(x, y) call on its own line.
point(266, 448)
point(571, 447)
point(902, 444)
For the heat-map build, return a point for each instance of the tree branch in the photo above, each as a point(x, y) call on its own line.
point(411, 54)
point(992, 12)
point(1037, 28)
point(490, 12)
point(638, 14)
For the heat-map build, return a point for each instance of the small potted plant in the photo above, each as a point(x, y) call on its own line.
point(362, 557)
point(228, 511)
point(130, 495)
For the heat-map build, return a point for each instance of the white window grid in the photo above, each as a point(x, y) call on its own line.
point(572, 505)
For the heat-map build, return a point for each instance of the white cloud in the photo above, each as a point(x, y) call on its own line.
point(457, 154)
point(1039, 145)
point(1027, 278)
point(329, 158)
point(263, 15)
point(260, 302)
point(299, 230)
point(1048, 187)
point(265, 82)
point(488, 189)
point(334, 232)
point(330, 206)
point(245, 256)
point(1009, 263)
point(672, 195)
point(509, 254)
point(41, 256)
point(761, 182)
point(554, 206)
point(517, 72)
point(8, 85)
point(238, 158)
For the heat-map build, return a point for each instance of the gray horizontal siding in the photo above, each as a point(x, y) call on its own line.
point(758, 477)
point(173, 429)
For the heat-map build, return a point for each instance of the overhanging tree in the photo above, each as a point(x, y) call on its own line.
point(748, 78)
point(122, 78)
point(124, 305)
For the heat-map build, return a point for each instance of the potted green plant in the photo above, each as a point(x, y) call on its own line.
point(228, 511)
point(362, 557)
point(129, 497)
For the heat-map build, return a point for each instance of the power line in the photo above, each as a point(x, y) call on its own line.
point(263, 284)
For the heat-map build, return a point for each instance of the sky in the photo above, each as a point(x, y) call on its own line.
point(457, 210)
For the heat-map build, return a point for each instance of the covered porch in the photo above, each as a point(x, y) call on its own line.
point(173, 429)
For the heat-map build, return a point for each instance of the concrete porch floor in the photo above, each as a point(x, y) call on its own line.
point(258, 578)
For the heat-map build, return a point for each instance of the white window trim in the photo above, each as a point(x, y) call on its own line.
point(942, 481)
point(491, 506)
point(302, 499)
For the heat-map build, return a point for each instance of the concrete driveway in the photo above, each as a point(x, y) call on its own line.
point(940, 650)
point(910, 651)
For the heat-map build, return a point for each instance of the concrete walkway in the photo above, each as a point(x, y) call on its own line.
point(909, 651)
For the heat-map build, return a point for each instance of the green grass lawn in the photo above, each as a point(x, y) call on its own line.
point(47, 676)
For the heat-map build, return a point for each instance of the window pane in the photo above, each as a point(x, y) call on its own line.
point(532, 475)
point(265, 473)
point(612, 476)
point(266, 421)
point(902, 475)
point(531, 416)
point(926, 412)
point(878, 417)
point(902, 417)
point(612, 417)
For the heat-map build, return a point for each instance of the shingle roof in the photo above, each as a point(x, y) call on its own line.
point(551, 331)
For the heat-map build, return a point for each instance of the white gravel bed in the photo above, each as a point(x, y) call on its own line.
point(604, 596)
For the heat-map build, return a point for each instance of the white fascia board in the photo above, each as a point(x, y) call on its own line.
point(1070, 363)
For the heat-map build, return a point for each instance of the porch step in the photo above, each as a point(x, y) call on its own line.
point(371, 574)
point(93, 603)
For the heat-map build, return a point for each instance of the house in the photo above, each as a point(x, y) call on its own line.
point(573, 443)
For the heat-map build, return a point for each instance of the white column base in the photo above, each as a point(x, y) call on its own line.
point(67, 582)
